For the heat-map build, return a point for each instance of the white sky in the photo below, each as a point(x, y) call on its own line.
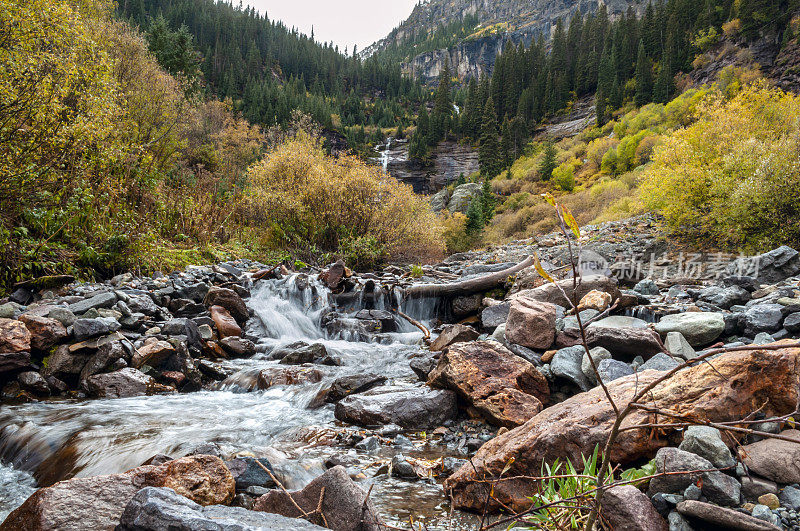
point(345, 22)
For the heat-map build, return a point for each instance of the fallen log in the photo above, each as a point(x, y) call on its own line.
point(466, 287)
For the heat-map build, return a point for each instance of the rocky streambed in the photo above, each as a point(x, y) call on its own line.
point(204, 395)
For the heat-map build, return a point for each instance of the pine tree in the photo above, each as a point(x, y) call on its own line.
point(600, 108)
point(644, 77)
point(548, 163)
point(475, 221)
point(662, 91)
point(442, 107)
point(488, 151)
point(488, 201)
point(505, 145)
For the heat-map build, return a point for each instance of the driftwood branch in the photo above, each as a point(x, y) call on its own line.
point(466, 287)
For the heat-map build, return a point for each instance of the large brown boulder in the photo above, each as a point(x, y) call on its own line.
point(551, 293)
point(46, 333)
point(228, 299)
point(344, 504)
point(531, 323)
point(503, 387)
point(152, 354)
point(457, 333)
point(626, 508)
point(224, 321)
point(14, 336)
point(727, 388)
point(774, 459)
point(97, 502)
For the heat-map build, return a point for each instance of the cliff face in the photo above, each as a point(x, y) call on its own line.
point(499, 22)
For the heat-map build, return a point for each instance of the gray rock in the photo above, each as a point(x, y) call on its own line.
point(467, 305)
point(86, 328)
point(792, 322)
point(494, 316)
point(762, 512)
point(206, 332)
point(646, 287)
point(610, 370)
point(439, 200)
point(706, 442)
point(619, 321)
point(62, 315)
point(9, 310)
point(712, 516)
point(351, 385)
point(724, 297)
point(101, 300)
point(770, 267)
point(626, 508)
point(678, 346)
point(716, 486)
point(699, 328)
point(499, 334)
point(567, 364)
point(401, 468)
point(34, 382)
point(119, 384)
point(161, 508)
point(677, 522)
point(370, 444)
point(692, 492)
point(763, 338)
point(247, 472)
point(754, 486)
point(572, 321)
point(102, 360)
point(762, 318)
point(598, 354)
point(660, 362)
point(462, 196)
point(410, 407)
point(305, 354)
point(789, 497)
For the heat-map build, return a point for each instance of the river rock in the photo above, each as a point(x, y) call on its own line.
point(225, 323)
point(12, 361)
point(238, 346)
point(763, 318)
point(677, 345)
point(386, 319)
point(505, 388)
point(724, 297)
point(456, 333)
point(660, 362)
point(350, 385)
point(792, 323)
point(123, 383)
point(619, 321)
point(705, 515)
point(646, 287)
point(152, 354)
point(157, 509)
point(408, 407)
point(14, 336)
point(626, 508)
point(551, 293)
point(87, 328)
point(770, 267)
point(598, 354)
point(706, 442)
point(531, 323)
point(34, 382)
point(228, 299)
point(247, 472)
point(699, 328)
point(494, 316)
point(719, 488)
point(567, 363)
point(97, 502)
point(737, 384)
point(46, 333)
point(101, 300)
point(466, 305)
point(287, 376)
point(625, 342)
point(595, 300)
point(611, 370)
point(305, 354)
point(345, 504)
point(102, 360)
point(64, 363)
point(774, 459)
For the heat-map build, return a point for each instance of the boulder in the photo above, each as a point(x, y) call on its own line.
point(87, 328)
point(626, 342)
point(699, 328)
point(287, 376)
point(13, 361)
point(706, 515)
point(159, 508)
point(46, 333)
point(97, 502)
point(408, 407)
point(531, 323)
point(792, 323)
point(647, 287)
point(14, 336)
point(466, 305)
point(344, 504)
point(619, 321)
point(238, 346)
point(101, 300)
point(762, 318)
point(660, 362)
point(551, 293)
point(707, 442)
point(225, 323)
point(386, 319)
point(774, 459)
point(611, 370)
point(102, 360)
point(462, 196)
point(770, 267)
point(248, 472)
point(595, 300)
point(626, 508)
point(494, 316)
point(456, 333)
point(152, 354)
point(34, 382)
point(737, 384)
point(502, 386)
point(305, 354)
point(123, 383)
point(724, 297)
point(682, 469)
point(567, 363)
point(62, 315)
point(677, 346)
point(350, 385)
point(228, 299)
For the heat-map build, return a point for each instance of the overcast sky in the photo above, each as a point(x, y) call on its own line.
point(345, 22)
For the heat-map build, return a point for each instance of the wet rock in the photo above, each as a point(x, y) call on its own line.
point(157, 509)
point(611, 370)
point(706, 442)
point(774, 459)
point(123, 383)
point(46, 333)
point(770, 267)
point(248, 472)
point(14, 336)
point(305, 354)
point(567, 363)
point(792, 322)
point(102, 360)
point(626, 342)
point(238, 346)
point(12, 361)
point(739, 383)
point(494, 316)
point(699, 328)
point(386, 319)
point(370, 444)
point(412, 408)
point(98, 502)
point(716, 486)
point(724, 297)
point(350, 385)
point(34, 382)
point(153, 354)
point(88, 328)
point(101, 300)
point(287, 376)
point(228, 299)
point(763, 318)
point(225, 323)
point(456, 333)
point(677, 345)
point(660, 362)
point(423, 365)
point(646, 287)
point(183, 326)
point(707, 514)
point(598, 354)
point(211, 370)
point(503, 387)
point(531, 323)
point(344, 504)
point(625, 508)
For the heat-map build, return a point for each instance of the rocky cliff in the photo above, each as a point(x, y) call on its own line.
point(499, 22)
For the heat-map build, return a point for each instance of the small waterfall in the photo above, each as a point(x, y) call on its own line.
point(383, 149)
point(290, 309)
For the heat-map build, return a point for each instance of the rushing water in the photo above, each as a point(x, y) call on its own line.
point(58, 439)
